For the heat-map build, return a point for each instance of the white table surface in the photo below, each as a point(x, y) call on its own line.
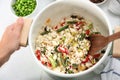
point(21, 65)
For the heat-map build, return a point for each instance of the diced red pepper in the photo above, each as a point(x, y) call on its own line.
point(63, 50)
point(43, 62)
point(46, 57)
point(38, 54)
point(86, 60)
point(62, 24)
point(49, 64)
point(56, 27)
point(70, 67)
point(79, 23)
point(38, 57)
point(87, 32)
point(77, 28)
point(66, 51)
point(96, 55)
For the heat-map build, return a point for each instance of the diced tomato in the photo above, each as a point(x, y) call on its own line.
point(79, 23)
point(56, 27)
point(46, 57)
point(49, 64)
point(87, 32)
point(38, 54)
point(66, 51)
point(62, 24)
point(70, 67)
point(86, 60)
point(63, 50)
point(38, 57)
point(77, 28)
point(43, 62)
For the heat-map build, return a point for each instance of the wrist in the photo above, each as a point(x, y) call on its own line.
point(3, 49)
point(4, 54)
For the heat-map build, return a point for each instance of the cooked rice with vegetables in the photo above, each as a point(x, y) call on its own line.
point(64, 47)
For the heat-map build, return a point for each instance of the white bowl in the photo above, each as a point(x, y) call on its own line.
point(94, 3)
point(100, 2)
point(60, 9)
point(28, 16)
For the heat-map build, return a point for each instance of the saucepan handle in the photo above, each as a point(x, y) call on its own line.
point(25, 32)
point(116, 45)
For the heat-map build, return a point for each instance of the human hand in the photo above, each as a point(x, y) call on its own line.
point(10, 41)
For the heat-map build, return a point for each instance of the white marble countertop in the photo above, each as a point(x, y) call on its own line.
point(21, 65)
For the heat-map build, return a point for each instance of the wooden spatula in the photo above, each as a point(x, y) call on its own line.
point(99, 41)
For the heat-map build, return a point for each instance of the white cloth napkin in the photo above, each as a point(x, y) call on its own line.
point(114, 7)
point(112, 70)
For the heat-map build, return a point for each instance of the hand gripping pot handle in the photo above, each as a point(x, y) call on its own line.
point(25, 32)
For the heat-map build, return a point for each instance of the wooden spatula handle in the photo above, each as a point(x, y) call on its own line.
point(114, 36)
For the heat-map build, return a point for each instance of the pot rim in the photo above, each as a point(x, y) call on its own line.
point(80, 73)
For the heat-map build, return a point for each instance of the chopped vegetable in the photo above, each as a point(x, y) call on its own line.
point(62, 24)
point(62, 60)
point(53, 62)
point(70, 71)
point(72, 22)
point(45, 32)
point(65, 47)
point(74, 65)
point(80, 23)
point(96, 33)
point(63, 50)
point(87, 32)
point(81, 67)
point(43, 50)
point(38, 54)
point(43, 62)
point(86, 59)
point(73, 16)
point(49, 64)
point(55, 48)
point(90, 26)
point(62, 28)
point(82, 36)
point(24, 7)
point(66, 62)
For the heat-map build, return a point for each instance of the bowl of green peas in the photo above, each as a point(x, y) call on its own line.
point(23, 8)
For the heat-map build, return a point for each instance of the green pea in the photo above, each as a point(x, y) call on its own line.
point(24, 7)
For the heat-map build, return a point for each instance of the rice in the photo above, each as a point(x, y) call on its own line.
point(64, 47)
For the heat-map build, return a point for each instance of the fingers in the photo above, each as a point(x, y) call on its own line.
point(11, 27)
point(19, 24)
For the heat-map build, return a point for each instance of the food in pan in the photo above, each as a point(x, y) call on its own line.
point(65, 47)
